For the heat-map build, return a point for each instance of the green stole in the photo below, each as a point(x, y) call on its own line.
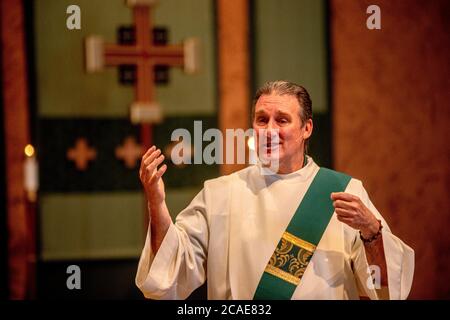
point(298, 243)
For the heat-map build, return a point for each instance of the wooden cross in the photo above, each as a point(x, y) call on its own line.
point(144, 55)
point(81, 154)
point(129, 152)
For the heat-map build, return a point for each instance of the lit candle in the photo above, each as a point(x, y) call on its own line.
point(31, 175)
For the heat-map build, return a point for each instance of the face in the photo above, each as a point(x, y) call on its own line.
point(280, 113)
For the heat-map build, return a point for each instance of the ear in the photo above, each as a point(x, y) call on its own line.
point(307, 129)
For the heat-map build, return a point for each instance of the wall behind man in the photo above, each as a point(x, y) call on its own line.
point(289, 42)
point(95, 218)
point(391, 112)
point(3, 220)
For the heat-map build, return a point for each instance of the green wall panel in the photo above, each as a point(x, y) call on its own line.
point(91, 226)
point(65, 90)
point(89, 223)
point(178, 199)
point(290, 44)
point(189, 94)
point(100, 226)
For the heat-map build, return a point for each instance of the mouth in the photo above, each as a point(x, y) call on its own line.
point(271, 147)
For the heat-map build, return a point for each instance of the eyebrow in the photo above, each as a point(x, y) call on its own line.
point(260, 112)
point(279, 113)
point(283, 114)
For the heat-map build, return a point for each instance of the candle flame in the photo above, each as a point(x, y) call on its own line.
point(29, 150)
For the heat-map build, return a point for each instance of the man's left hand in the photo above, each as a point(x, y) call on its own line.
point(352, 211)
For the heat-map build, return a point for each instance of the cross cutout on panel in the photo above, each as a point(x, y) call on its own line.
point(81, 154)
point(130, 152)
point(145, 55)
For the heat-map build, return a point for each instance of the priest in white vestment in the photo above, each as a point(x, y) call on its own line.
point(229, 231)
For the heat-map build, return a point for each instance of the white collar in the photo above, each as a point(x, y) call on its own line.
point(300, 174)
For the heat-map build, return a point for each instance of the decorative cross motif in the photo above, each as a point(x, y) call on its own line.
point(129, 152)
point(127, 73)
point(145, 55)
point(81, 154)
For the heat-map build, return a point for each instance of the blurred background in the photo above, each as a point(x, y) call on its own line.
point(69, 152)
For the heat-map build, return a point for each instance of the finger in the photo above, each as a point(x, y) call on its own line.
point(345, 220)
point(152, 157)
point(344, 213)
point(148, 152)
point(160, 171)
point(343, 196)
point(143, 174)
point(151, 167)
point(158, 174)
point(344, 204)
point(144, 157)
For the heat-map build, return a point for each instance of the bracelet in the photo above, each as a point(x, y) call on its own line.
point(374, 237)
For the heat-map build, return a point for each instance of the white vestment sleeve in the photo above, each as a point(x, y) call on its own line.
point(399, 260)
point(179, 266)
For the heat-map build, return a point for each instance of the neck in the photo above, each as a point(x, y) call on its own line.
point(292, 166)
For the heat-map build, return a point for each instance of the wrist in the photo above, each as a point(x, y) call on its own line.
point(157, 210)
point(372, 232)
point(154, 208)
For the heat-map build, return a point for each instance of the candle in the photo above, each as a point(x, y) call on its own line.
point(31, 175)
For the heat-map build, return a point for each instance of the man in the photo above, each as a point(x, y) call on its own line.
point(303, 232)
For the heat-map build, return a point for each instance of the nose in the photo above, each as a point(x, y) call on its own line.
point(271, 125)
point(272, 131)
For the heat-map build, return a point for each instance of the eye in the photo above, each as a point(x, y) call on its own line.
point(283, 120)
point(261, 120)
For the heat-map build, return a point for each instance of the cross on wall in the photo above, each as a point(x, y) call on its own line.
point(145, 55)
point(81, 154)
point(129, 152)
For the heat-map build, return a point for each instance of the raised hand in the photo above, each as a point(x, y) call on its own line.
point(150, 176)
point(352, 211)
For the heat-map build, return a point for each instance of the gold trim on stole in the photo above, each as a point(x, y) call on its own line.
point(287, 263)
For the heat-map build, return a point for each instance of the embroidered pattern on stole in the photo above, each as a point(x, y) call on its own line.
point(290, 258)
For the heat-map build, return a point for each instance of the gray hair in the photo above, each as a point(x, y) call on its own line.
point(291, 89)
point(281, 87)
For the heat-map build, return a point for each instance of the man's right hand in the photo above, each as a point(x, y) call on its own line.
point(150, 176)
